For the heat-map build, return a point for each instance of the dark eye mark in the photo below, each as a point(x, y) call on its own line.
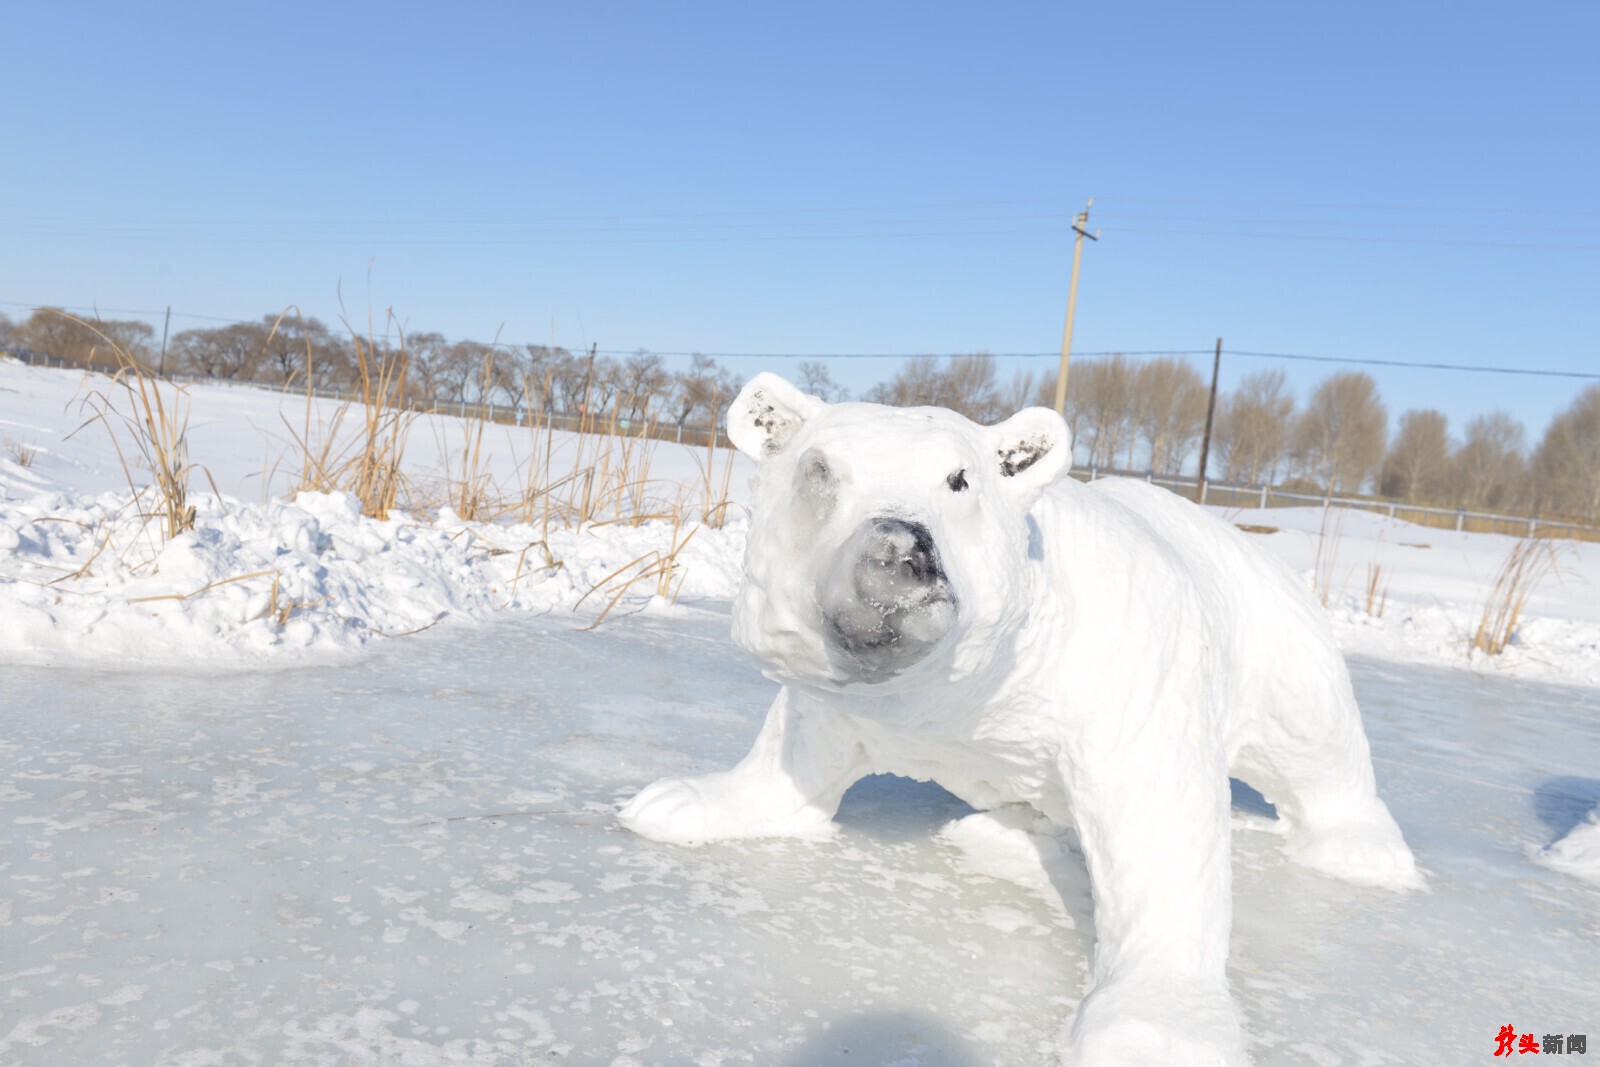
point(957, 481)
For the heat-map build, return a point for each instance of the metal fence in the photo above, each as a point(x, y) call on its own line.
point(607, 422)
point(1229, 495)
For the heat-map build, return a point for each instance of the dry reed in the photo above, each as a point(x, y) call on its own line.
point(1530, 561)
point(21, 454)
point(1377, 590)
point(156, 424)
point(1329, 534)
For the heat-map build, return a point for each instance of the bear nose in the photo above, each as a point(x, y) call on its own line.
point(904, 551)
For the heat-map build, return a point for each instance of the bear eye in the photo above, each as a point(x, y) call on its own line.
point(957, 481)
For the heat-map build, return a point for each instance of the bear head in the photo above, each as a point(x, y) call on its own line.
point(889, 547)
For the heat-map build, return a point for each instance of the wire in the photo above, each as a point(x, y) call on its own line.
point(1416, 365)
point(1360, 240)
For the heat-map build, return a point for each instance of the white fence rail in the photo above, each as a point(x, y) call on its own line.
point(1228, 494)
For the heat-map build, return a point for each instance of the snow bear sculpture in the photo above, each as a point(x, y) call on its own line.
point(938, 602)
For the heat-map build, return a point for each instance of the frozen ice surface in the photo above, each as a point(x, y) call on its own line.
point(345, 865)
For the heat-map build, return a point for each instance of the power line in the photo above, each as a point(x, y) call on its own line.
point(1361, 239)
point(619, 217)
point(1321, 206)
point(1417, 365)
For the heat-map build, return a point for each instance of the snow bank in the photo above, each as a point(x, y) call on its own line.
point(86, 578)
point(88, 581)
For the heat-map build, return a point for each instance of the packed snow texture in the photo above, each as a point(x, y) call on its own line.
point(411, 856)
point(1105, 655)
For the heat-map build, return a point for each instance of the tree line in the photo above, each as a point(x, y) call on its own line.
point(1150, 415)
point(1126, 414)
point(292, 351)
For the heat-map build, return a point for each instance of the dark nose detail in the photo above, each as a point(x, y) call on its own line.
point(886, 599)
point(902, 555)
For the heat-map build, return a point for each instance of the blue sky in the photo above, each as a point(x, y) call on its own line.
point(1412, 182)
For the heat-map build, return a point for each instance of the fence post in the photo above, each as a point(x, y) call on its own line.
point(1533, 524)
point(1461, 519)
point(1263, 503)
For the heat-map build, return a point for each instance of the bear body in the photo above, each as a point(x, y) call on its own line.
point(939, 602)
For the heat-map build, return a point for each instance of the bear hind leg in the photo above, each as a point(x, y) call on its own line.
point(1317, 771)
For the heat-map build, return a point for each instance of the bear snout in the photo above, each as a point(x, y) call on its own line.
point(886, 599)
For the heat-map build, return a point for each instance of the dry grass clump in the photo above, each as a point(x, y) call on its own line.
point(1329, 534)
point(368, 466)
point(654, 566)
point(1529, 563)
point(471, 493)
point(21, 454)
point(1377, 590)
point(152, 416)
point(714, 503)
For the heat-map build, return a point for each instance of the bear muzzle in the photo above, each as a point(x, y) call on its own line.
point(886, 600)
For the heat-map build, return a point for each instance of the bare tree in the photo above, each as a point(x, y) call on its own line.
point(1101, 406)
point(915, 384)
point(8, 331)
point(1489, 469)
point(1253, 428)
point(815, 379)
point(1019, 393)
point(83, 340)
point(968, 386)
point(1342, 434)
point(428, 355)
point(964, 384)
point(570, 372)
point(461, 372)
point(290, 345)
point(644, 381)
point(701, 388)
point(1171, 410)
point(219, 352)
point(540, 366)
point(1566, 466)
point(606, 383)
point(1418, 463)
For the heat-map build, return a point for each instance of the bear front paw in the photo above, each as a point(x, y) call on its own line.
point(670, 810)
point(694, 811)
point(1160, 1024)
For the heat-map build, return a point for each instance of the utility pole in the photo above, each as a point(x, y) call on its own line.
point(162, 373)
point(588, 376)
point(1079, 226)
point(1211, 411)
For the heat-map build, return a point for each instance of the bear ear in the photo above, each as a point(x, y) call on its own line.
point(1032, 449)
point(767, 414)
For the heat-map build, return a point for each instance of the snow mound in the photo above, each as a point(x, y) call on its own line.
point(88, 580)
point(1578, 853)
